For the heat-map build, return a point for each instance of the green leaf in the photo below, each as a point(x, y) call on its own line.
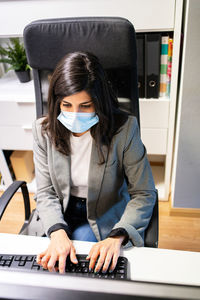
point(15, 55)
point(6, 60)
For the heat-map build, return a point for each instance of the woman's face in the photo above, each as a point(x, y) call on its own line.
point(79, 102)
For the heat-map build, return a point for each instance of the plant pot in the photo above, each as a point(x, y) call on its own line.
point(23, 76)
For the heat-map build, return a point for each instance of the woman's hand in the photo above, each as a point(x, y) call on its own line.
point(59, 248)
point(105, 251)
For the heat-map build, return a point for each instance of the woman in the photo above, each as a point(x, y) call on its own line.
point(93, 178)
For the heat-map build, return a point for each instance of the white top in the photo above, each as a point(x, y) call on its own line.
point(80, 160)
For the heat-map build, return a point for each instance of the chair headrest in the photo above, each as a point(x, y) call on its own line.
point(111, 39)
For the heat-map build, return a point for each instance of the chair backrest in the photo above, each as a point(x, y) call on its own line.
point(111, 39)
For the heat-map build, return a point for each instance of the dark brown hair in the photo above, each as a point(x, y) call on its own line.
point(76, 72)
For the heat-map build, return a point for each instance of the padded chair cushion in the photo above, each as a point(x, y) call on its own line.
point(49, 40)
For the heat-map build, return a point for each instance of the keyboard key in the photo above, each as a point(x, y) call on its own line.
point(29, 258)
point(7, 263)
point(120, 271)
point(119, 276)
point(22, 263)
point(37, 268)
point(83, 264)
point(7, 257)
point(23, 257)
point(17, 258)
point(85, 270)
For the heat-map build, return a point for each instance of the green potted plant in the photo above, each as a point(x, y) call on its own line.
point(15, 55)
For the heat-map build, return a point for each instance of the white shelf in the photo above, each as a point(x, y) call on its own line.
point(156, 100)
point(11, 89)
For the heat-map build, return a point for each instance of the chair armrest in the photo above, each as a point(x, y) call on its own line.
point(151, 233)
point(8, 194)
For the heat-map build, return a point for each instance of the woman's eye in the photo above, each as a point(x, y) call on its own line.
point(66, 104)
point(86, 106)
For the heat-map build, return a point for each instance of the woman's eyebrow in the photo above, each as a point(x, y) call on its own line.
point(88, 101)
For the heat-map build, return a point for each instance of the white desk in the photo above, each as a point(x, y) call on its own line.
point(146, 264)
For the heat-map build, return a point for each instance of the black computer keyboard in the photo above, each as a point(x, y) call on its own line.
point(28, 262)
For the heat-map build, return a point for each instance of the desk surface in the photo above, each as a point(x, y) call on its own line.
point(146, 264)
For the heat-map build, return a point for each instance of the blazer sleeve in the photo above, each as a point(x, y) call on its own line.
point(141, 188)
point(48, 204)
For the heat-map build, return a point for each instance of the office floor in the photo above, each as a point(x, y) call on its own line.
point(175, 232)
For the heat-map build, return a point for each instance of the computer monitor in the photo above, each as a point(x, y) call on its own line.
point(26, 285)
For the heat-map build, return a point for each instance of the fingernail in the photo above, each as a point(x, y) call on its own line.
point(110, 271)
point(103, 271)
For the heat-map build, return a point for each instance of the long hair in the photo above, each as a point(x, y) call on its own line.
point(76, 72)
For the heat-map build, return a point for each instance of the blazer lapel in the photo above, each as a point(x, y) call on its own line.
point(61, 165)
point(96, 173)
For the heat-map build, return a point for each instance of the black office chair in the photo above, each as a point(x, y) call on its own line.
point(113, 41)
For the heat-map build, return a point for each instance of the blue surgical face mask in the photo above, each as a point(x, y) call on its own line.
point(78, 122)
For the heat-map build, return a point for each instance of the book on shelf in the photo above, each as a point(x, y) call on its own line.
point(169, 66)
point(163, 65)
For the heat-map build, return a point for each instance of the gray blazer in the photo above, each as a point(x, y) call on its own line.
point(111, 202)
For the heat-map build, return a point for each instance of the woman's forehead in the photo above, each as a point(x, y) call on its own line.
point(79, 97)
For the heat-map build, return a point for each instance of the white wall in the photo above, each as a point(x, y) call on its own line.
point(145, 15)
point(186, 169)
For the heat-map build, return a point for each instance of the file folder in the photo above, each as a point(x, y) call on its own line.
point(140, 64)
point(152, 64)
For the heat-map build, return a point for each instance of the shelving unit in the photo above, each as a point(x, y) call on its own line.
point(17, 112)
point(157, 115)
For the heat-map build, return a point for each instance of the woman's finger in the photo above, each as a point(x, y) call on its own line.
point(62, 263)
point(52, 262)
point(45, 260)
point(40, 256)
point(107, 262)
point(101, 260)
point(93, 257)
point(114, 261)
point(73, 257)
point(90, 253)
